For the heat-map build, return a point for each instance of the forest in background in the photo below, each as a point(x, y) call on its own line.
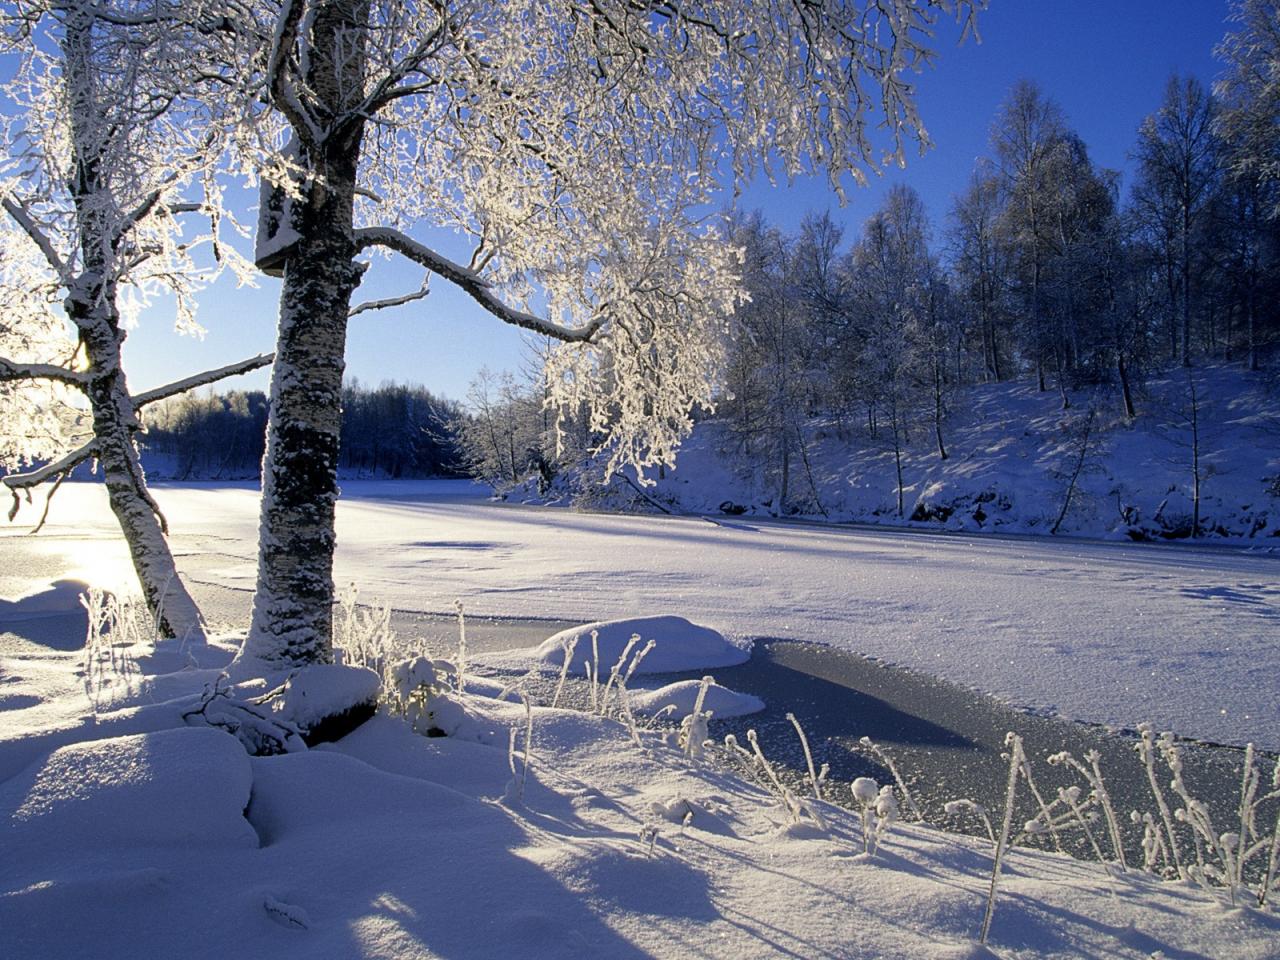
point(391, 430)
point(1042, 269)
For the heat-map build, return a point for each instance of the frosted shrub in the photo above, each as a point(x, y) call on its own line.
point(114, 625)
point(1221, 858)
point(763, 772)
point(258, 728)
point(1093, 776)
point(879, 811)
point(364, 634)
point(695, 728)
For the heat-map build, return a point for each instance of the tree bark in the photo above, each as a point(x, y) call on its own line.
point(114, 423)
point(292, 618)
point(1126, 393)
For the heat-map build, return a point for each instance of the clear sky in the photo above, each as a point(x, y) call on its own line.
point(1104, 61)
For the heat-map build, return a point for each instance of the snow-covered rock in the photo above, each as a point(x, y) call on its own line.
point(326, 701)
point(175, 788)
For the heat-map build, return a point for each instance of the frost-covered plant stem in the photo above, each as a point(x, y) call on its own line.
point(1046, 814)
point(461, 663)
point(1016, 758)
point(815, 782)
point(1147, 751)
point(883, 756)
point(955, 807)
point(1093, 776)
point(593, 670)
point(615, 672)
point(1273, 857)
point(569, 646)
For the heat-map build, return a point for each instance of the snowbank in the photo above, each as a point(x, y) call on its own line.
point(721, 701)
point(396, 846)
point(1012, 454)
point(678, 646)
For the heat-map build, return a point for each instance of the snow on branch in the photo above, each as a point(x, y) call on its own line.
point(283, 95)
point(41, 371)
point(60, 468)
point(473, 285)
point(64, 464)
point(368, 305)
point(202, 379)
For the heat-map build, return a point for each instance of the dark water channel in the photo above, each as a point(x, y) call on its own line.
point(946, 741)
point(949, 742)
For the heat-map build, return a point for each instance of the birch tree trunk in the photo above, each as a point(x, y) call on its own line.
point(92, 308)
point(114, 424)
point(292, 621)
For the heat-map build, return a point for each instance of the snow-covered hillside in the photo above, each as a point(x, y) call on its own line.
point(1011, 454)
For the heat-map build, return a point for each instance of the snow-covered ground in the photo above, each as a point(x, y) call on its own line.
point(393, 845)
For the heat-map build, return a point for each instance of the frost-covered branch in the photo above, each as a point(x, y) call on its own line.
point(9, 370)
point(38, 237)
point(473, 285)
point(202, 379)
point(64, 464)
point(283, 96)
point(388, 302)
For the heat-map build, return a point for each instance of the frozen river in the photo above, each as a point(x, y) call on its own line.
point(1187, 637)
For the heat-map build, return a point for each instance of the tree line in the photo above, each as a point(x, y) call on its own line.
point(391, 430)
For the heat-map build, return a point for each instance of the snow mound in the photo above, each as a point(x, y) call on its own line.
point(678, 646)
point(721, 701)
point(175, 788)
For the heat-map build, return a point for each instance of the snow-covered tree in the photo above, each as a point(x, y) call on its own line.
point(1250, 92)
point(1178, 174)
point(107, 135)
point(573, 144)
point(891, 275)
point(981, 265)
point(1029, 129)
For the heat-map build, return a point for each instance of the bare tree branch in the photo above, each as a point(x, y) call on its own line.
point(473, 285)
point(202, 379)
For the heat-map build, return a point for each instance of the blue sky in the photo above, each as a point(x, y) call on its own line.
point(1104, 61)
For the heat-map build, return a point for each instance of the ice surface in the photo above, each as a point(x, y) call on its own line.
point(1117, 633)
